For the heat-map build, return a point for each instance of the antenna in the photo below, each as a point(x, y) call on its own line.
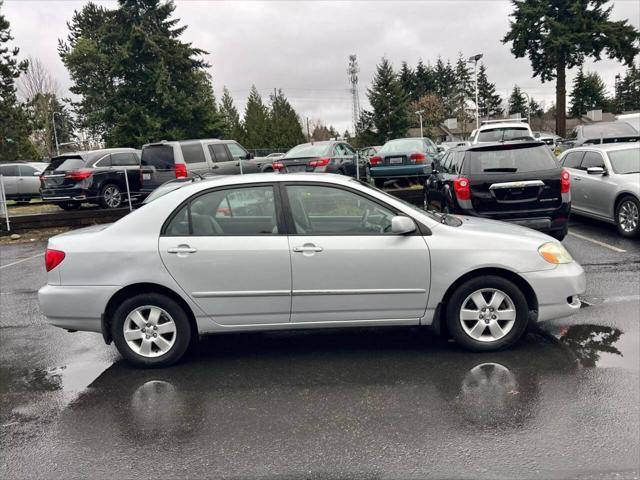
point(352, 71)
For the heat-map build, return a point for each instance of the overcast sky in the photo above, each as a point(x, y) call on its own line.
point(303, 47)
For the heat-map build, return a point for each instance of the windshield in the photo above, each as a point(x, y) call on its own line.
point(308, 150)
point(65, 164)
point(510, 160)
point(502, 134)
point(613, 129)
point(399, 146)
point(625, 161)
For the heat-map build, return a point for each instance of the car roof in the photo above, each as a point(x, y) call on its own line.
point(607, 147)
point(513, 123)
point(187, 141)
point(492, 145)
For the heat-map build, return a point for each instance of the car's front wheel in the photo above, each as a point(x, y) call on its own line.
point(151, 330)
point(487, 313)
point(628, 217)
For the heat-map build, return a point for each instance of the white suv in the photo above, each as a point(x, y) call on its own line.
point(500, 131)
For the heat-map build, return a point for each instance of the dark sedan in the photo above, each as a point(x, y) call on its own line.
point(320, 157)
point(403, 158)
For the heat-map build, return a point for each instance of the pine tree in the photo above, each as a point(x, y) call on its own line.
point(424, 80)
point(407, 79)
point(445, 85)
point(285, 128)
point(389, 103)
point(489, 102)
point(137, 81)
point(366, 134)
point(587, 93)
point(628, 92)
point(517, 102)
point(15, 124)
point(230, 117)
point(464, 92)
point(255, 127)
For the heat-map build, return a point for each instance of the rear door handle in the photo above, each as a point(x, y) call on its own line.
point(307, 248)
point(182, 249)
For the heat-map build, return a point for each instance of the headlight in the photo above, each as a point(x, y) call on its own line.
point(554, 253)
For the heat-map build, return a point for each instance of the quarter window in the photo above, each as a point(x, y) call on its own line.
point(192, 152)
point(320, 210)
point(238, 211)
point(9, 170)
point(123, 159)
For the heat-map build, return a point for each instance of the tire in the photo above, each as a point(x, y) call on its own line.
point(110, 196)
point(628, 216)
point(69, 205)
point(379, 182)
point(497, 334)
point(149, 352)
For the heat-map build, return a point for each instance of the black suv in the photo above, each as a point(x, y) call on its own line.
point(96, 176)
point(519, 182)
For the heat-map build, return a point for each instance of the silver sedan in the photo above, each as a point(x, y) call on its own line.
point(293, 251)
point(605, 184)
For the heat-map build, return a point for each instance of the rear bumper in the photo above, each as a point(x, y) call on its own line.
point(75, 307)
point(546, 221)
point(389, 171)
point(557, 290)
point(65, 194)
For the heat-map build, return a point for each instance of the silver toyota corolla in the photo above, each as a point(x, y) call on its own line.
point(606, 183)
point(273, 251)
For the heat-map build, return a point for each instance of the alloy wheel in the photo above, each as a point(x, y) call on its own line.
point(149, 331)
point(628, 216)
point(112, 196)
point(487, 315)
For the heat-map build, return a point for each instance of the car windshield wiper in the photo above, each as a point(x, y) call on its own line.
point(501, 169)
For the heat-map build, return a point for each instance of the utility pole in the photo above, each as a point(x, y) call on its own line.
point(474, 60)
point(55, 134)
point(352, 71)
point(419, 113)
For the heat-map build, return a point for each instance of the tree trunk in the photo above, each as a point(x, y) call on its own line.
point(561, 99)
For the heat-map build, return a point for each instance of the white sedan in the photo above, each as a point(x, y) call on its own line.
point(291, 251)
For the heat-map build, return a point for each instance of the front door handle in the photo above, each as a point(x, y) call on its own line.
point(307, 248)
point(182, 249)
point(577, 179)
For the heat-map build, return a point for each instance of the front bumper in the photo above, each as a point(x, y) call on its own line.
point(75, 307)
point(557, 290)
point(390, 171)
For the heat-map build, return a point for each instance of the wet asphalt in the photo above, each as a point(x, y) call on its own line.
point(360, 403)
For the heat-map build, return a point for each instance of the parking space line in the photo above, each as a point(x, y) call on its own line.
point(598, 242)
point(20, 261)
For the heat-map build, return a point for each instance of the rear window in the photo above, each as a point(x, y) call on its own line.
point(401, 146)
point(65, 164)
point(308, 150)
point(502, 134)
point(625, 161)
point(613, 129)
point(159, 156)
point(512, 160)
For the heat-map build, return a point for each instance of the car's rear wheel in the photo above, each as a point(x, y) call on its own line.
point(110, 196)
point(487, 313)
point(151, 330)
point(69, 205)
point(628, 217)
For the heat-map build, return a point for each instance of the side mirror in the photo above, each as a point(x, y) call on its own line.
point(249, 156)
point(401, 225)
point(37, 174)
point(596, 171)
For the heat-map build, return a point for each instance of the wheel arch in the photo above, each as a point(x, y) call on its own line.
point(532, 300)
point(137, 289)
point(619, 197)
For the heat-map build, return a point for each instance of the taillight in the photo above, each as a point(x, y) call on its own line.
point(321, 162)
point(78, 175)
point(462, 188)
point(417, 157)
point(52, 259)
point(278, 165)
point(181, 170)
point(376, 160)
point(565, 181)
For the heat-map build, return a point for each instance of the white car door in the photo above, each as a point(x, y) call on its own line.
point(598, 190)
point(226, 250)
point(346, 265)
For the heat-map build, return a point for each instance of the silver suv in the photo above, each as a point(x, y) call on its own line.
point(167, 160)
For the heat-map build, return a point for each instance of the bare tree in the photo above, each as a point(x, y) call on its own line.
point(36, 80)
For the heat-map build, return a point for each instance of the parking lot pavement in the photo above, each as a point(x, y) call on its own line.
point(362, 403)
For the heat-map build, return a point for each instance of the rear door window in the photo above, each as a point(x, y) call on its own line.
point(573, 159)
point(192, 152)
point(123, 159)
point(513, 160)
point(103, 162)
point(219, 153)
point(9, 170)
point(158, 156)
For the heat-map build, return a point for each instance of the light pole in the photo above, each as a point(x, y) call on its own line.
point(419, 113)
point(474, 60)
point(55, 134)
